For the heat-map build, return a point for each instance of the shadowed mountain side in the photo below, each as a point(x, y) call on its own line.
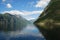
point(49, 21)
point(9, 22)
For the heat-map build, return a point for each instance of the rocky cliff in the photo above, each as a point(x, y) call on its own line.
point(49, 21)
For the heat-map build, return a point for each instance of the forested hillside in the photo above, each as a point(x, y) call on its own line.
point(9, 22)
point(49, 21)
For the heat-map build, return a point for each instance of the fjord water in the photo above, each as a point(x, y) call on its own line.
point(28, 33)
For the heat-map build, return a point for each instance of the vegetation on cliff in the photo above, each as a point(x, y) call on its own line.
point(49, 21)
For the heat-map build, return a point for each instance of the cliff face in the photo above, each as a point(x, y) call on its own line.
point(10, 22)
point(49, 21)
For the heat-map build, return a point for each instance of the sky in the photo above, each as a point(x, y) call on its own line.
point(29, 9)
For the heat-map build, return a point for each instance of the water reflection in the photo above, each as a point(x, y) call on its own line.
point(30, 29)
point(28, 33)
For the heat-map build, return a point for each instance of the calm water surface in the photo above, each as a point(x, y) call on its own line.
point(28, 33)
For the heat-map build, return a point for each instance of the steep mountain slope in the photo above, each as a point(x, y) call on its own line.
point(49, 21)
point(9, 22)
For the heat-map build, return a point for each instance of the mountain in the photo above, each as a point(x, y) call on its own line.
point(49, 21)
point(9, 22)
point(32, 20)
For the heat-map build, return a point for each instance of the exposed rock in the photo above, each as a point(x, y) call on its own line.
point(49, 21)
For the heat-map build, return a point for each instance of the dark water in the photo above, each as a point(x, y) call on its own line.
point(28, 33)
point(22, 37)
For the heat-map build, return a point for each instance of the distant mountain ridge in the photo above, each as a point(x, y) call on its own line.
point(9, 22)
point(33, 20)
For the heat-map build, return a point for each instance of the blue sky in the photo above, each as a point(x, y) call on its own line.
point(29, 9)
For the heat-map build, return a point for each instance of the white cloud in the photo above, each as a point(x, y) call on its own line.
point(17, 12)
point(3, 0)
point(32, 12)
point(25, 14)
point(14, 12)
point(9, 5)
point(42, 3)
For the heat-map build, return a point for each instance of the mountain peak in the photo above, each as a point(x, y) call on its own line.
point(14, 12)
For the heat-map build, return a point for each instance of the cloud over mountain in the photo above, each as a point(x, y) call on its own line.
point(42, 3)
point(25, 14)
